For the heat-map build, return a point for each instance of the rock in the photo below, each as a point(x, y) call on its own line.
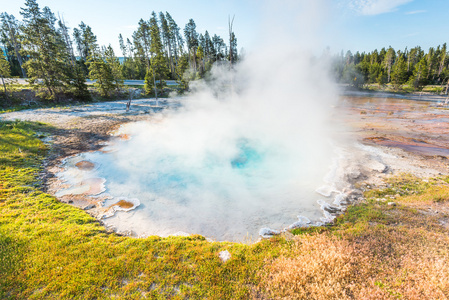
point(391, 203)
point(267, 233)
point(376, 166)
point(70, 201)
point(355, 174)
point(224, 256)
point(331, 209)
point(90, 206)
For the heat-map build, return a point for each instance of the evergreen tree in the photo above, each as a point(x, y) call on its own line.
point(158, 62)
point(10, 37)
point(175, 37)
point(142, 42)
point(420, 74)
point(442, 59)
point(192, 42)
point(166, 41)
point(101, 72)
point(353, 76)
point(218, 47)
point(181, 71)
point(389, 59)
point(4, 71)
point(99, 69)
point(399, 73)
point(115, 66)
point(233, 55)
point(149, 82)
point(200, 57)
point(45, 49)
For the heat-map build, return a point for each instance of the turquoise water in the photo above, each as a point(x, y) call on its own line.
point(227, 189)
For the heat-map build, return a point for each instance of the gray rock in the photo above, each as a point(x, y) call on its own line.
point(90, 206)
point(332, 209)
point(392, 203)
point(267, 233)
point(224, 256)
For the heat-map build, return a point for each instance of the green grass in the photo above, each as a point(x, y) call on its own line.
point(404, 89)
point(51, 250)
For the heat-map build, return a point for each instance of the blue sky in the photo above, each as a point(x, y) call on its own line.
point(398, 23)
point(346, 24)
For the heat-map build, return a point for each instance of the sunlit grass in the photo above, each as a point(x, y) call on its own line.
point(52, 250)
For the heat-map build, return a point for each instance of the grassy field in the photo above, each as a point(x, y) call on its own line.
point(406, 89)
point(377, 250)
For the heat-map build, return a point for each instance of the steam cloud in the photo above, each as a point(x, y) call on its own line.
point(247, 149)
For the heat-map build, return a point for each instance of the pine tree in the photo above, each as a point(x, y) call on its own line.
point(399, 73)
point(115, 66)
point(166, 41)
point(142, 42)
point(45, 49)
point(218, 47)
point(389, 59)
point(420, 74)
point(158, 62)
point(192, 42)
point(78, 82)
point(200, 57)
point(99, 69)
point(10, 37)
point(442, 59)
point(149, 82)
point(175, 37)
point(4, 71)
point(101, 72)
point(181, 68)
point(232, 44)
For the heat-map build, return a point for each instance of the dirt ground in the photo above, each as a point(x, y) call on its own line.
point(80, 129)
point(416, 133)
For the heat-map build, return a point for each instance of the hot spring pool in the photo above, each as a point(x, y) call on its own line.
point(224, 187)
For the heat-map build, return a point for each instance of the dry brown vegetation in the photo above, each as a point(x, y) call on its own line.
point(390, 252)
point(382, 264)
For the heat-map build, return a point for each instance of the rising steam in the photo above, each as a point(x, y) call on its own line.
point(246, 150)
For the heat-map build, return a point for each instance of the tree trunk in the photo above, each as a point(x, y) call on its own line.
point(4, 86)
point(440, 69)
point(154, 82)
point(230, 39)
point(19, 59)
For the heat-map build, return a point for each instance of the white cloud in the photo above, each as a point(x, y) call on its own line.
point(377, 7)
point(414, 12)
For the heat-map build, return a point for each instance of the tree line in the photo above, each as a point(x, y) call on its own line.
point(44, 50)
point(413, 67)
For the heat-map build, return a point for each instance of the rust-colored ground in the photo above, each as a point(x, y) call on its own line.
point(418, 127)
point(124, 204)
point(85, 165)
